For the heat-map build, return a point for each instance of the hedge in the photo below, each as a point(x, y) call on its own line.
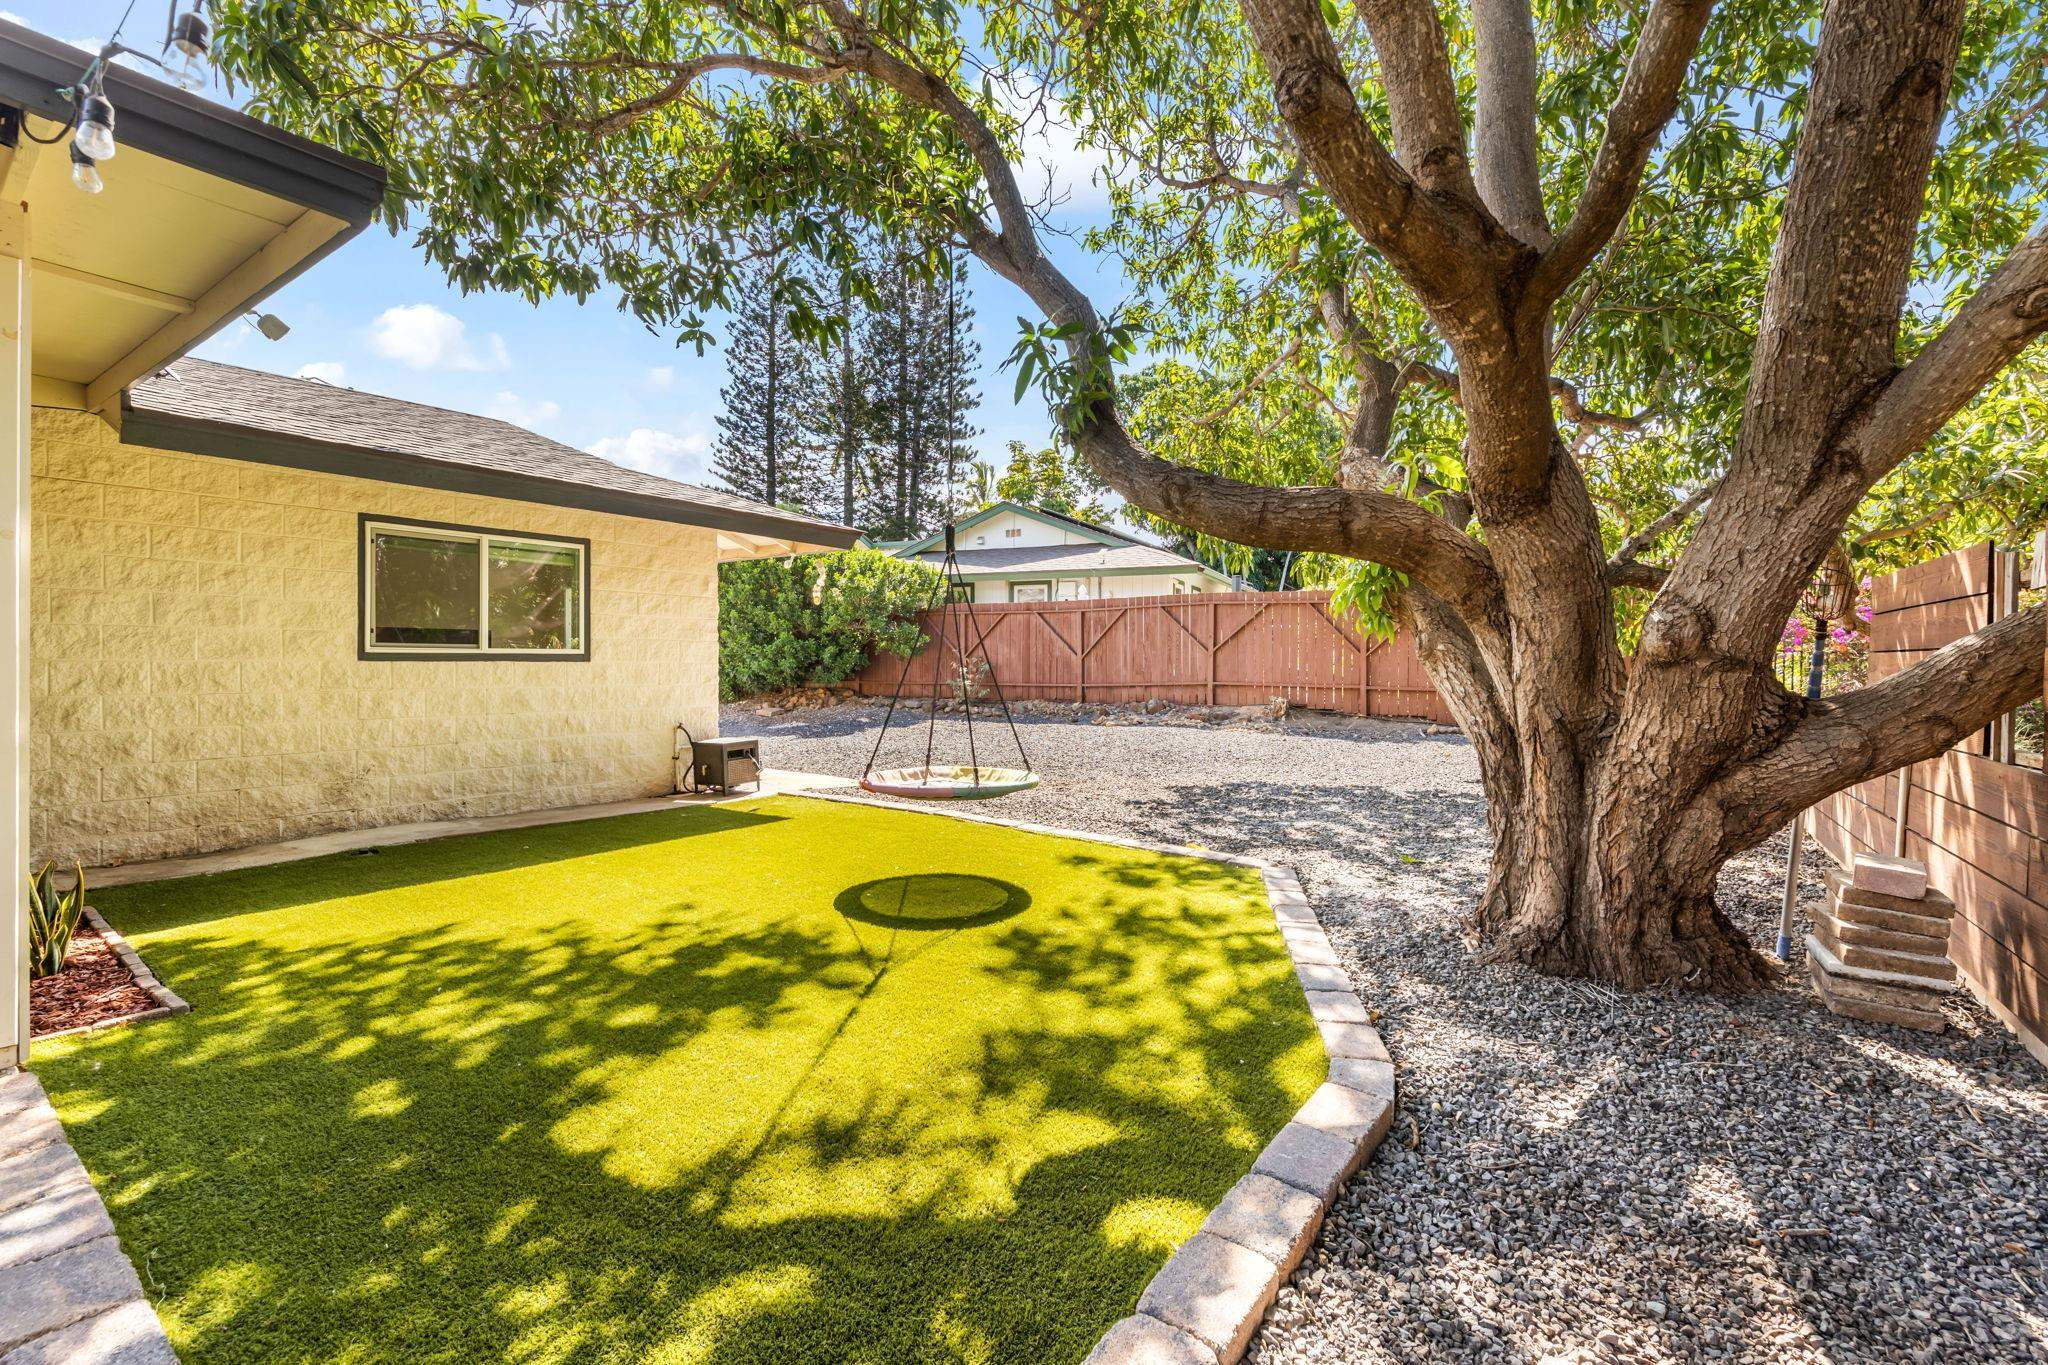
point(814, 620)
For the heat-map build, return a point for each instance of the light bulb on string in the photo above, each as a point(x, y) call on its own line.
point(95, 135)
point(84, 174)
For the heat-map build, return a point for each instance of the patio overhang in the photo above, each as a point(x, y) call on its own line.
point(206, 212)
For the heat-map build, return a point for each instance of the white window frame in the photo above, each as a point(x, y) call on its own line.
point(483, 537)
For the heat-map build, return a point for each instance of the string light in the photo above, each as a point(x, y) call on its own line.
point(186, 40)
point(84, 173)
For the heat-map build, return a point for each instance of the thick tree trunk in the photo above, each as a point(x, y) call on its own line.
point(1633, 904)
point(1580, 885)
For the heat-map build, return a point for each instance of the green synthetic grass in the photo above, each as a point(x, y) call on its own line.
point(703, 1085)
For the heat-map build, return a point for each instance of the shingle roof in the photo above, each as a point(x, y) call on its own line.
point(306, 410)
point(1067, 559)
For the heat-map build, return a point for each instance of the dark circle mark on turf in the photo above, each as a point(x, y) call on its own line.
point(932, 900)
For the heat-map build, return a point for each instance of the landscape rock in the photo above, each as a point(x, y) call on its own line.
point(1793, 1187)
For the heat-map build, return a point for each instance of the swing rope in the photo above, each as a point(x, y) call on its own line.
point(951, 782)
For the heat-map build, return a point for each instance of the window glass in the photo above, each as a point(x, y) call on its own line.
point(533, 596)
point(426, 591)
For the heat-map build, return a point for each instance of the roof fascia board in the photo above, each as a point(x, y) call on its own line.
point(1052, 519)
point(1033, 575)
point(171, 123)
point(229, 442)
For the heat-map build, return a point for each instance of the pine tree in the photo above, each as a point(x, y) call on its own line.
point(952, 358)
point(762, 450)
point(839, 416)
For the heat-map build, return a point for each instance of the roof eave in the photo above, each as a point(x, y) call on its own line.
point(179, 126)
point(227, 440)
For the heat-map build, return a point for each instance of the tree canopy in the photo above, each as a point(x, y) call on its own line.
point(1539, 308)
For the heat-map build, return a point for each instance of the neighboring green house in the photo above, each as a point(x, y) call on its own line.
point(1013, 552)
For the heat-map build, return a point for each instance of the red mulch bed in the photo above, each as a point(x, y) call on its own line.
point(93, 988)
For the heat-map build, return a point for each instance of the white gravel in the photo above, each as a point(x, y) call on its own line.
point(1578, 1174)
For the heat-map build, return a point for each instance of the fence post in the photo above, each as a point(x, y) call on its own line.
point(1210, 651)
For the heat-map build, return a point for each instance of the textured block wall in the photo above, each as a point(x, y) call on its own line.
point(194, 681)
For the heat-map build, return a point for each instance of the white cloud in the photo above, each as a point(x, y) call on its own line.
point(662, 376)
point(671, 454)
point(1054, 166)
point(326, 371)
point(508, 406)
point(423, 337)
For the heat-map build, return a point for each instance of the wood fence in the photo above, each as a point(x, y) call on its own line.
point(1980, 825)
point(1220, 649)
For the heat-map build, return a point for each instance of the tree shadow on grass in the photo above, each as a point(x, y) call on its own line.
point(145, 908)
point(698, 1136)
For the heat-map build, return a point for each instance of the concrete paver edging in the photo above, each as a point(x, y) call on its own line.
point(67, 1293)
point(1211, 1295)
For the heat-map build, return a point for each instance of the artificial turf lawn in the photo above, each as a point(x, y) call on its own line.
point(688, 1086)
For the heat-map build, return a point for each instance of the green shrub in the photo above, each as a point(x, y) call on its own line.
point(53, 917)
point(772, 634)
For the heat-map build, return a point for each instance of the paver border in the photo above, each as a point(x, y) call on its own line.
point(168, 1001)
point(68, 1291)
point(1209, 1298)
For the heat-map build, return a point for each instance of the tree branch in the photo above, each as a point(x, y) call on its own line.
point(1504, 128)
point(1649, 535)
point(1415, 69)
point(1414, 230)
point(1648, 99)
point(1878, 729)
point(684, 74)
point(1992, 327)
point(1363, 524)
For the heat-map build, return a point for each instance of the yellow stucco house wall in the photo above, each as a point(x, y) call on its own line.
point(195, 680)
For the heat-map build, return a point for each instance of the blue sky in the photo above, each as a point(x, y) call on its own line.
point(376, 316)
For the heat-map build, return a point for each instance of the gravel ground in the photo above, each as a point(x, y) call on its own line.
point(1577, 1174)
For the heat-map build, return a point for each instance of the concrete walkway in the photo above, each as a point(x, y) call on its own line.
point(67, 1293)
point(774, 782)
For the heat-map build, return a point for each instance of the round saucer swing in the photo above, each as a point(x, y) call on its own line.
point(974, 780)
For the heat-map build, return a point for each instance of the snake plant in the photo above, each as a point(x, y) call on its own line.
point(53, 917)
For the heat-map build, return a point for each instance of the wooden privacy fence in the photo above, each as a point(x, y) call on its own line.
point(1221, 649)
point(1978, 819)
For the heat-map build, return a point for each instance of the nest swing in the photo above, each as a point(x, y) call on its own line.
point(972, 780)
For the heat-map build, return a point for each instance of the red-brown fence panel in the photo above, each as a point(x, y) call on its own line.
point(1979, 824)
point(1221, 649)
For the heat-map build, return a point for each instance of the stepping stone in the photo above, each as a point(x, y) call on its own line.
point(71, 1216)
point(1930, 904)
point(59, 1290)
point(1932, 966)
point(1904, 878)
point(1872, 1011)
point(1868, 982)
point(1873, 936)
point(126, 1335)
point(40, 1173)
